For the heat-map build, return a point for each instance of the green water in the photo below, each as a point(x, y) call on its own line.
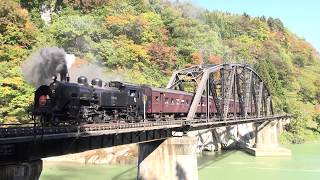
point(303, 165)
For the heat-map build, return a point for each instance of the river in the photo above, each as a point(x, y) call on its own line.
point(303, 165)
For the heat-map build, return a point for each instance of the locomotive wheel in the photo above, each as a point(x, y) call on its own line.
point(130, 119)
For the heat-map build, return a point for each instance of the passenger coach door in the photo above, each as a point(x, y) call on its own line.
point(161, 102)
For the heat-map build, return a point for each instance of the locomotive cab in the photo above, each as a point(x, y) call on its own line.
point(131, 97)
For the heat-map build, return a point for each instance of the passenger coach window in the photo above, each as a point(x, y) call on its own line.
point(187, 101)
point(157, 99)
point(172, 101)
point(177, 101)
point(166, 101)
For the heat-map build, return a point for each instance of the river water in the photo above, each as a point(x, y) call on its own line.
point(303, 165)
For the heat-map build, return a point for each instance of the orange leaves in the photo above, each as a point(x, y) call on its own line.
point(79, 62)
point(197, 58)
point(317, 108)
point(16, 28)
point(11, 11)
point(214, 59)
point(119, 20)
point(29, 27)
point(164, 34)
point(163, 56)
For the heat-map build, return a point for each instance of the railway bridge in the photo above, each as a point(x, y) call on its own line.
point(164, 145)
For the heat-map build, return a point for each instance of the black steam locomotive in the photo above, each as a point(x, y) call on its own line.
point(81, 102)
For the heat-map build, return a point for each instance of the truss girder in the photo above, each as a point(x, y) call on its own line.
point(236, 90)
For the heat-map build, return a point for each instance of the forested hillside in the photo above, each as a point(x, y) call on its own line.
point(145, 40)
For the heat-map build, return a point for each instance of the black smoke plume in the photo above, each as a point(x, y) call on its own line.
point(42, 65)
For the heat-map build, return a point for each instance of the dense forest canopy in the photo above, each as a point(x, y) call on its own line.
point(146, 40)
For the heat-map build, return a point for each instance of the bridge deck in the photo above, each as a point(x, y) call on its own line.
point(30, 143)
point(18, 134)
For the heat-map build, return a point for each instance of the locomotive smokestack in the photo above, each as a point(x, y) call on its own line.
point(45, 63)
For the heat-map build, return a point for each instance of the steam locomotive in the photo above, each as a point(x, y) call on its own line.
point(64, 102)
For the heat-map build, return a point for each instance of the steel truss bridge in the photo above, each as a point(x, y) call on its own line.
point(226, 84)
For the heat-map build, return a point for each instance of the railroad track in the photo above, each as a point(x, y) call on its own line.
point(38, 130)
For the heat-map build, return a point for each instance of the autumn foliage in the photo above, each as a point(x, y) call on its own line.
point(146, 41)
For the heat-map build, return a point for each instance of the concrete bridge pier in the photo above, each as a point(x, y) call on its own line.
point(21, 171)
point(267, 140)
point(173, 158)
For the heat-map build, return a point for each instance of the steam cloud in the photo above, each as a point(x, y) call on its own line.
point(43, 64)
point(91, 71)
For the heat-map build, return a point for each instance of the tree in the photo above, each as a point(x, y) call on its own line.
point(77, 33)
point(17, 37)
point(84, 5)
point(163, 56)
point(275, 24)
point(306, 95)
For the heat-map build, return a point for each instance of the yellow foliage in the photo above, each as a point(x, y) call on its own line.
point(119, 19)
point(128, 45)
point(5, 91)
point(14, 81)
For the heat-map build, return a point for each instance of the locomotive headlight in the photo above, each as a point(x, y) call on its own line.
point(43, 100)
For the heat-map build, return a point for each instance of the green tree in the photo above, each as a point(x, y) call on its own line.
point(17, 37)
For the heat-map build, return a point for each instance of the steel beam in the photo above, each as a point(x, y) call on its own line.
point(268, 109)
point(208, 100)
point(172, 79)
point(197, 96)
point(248, 94)
point(228, 91)
point(260, 99)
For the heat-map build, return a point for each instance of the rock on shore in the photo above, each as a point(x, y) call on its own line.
point(126, 154)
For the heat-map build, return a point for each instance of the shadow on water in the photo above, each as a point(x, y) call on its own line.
point(207, 159)
point(127, 174)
